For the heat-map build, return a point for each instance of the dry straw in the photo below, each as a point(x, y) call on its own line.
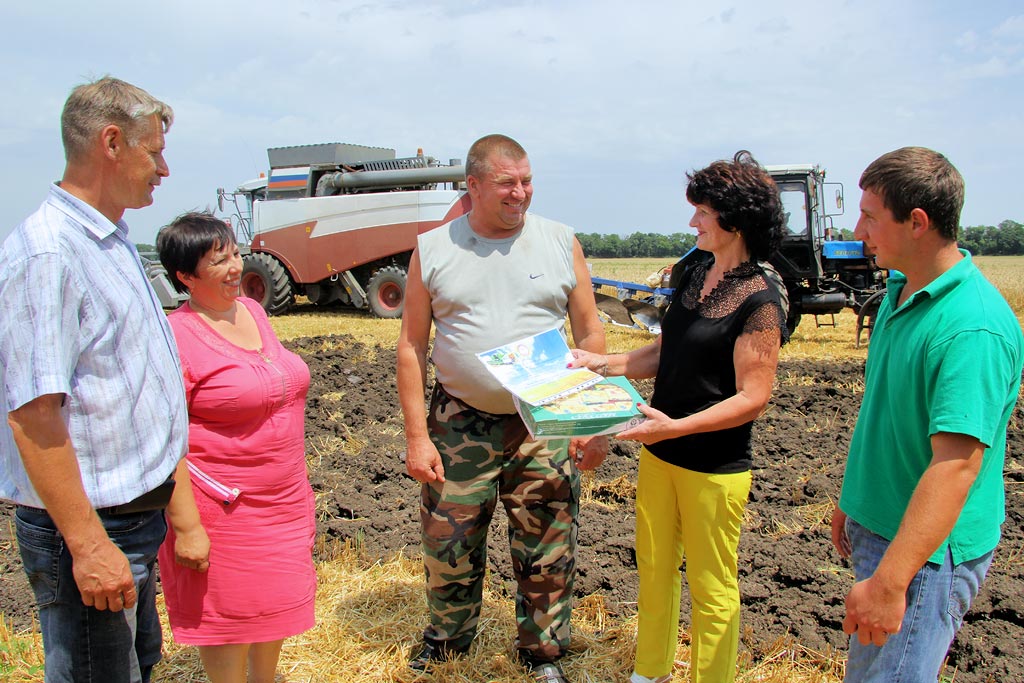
point(370, 614)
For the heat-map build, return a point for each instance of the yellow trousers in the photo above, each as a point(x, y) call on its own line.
point(681, 513)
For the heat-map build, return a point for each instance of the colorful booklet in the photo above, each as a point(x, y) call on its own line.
point(533, 368)
point(556, 401)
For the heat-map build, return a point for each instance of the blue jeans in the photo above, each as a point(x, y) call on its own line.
point(937, 600)
point(83, 644)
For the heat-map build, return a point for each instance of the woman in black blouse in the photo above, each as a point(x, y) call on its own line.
point(714, 365)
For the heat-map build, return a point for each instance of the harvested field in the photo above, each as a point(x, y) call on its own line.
point(792, 581)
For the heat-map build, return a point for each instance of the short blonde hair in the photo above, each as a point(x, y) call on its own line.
point(93, 106)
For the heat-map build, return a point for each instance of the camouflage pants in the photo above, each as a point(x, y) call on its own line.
point(487, 457)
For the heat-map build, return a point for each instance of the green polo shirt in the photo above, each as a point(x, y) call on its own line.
point(948, 360)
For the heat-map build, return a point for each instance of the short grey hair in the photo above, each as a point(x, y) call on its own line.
point(93, 106)
point(478, 160)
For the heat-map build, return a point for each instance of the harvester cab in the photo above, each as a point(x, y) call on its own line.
point(817, 272)
point(238, 207)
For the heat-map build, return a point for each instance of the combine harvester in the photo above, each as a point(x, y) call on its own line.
point(818, 274)
point(338, 222)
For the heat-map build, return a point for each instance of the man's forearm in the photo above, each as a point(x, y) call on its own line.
point(931, 514)
point(593, 341)
point(49, 458)
point(411, 381)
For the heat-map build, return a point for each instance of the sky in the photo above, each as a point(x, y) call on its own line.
point(613, 101)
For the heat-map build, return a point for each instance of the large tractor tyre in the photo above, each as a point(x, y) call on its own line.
point(791, 306)
point(385, 293)
point(793, 321)
point(774, 278)
point(266, 280)
point(866, 314)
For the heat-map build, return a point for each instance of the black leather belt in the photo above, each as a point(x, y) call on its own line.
point(156, 499)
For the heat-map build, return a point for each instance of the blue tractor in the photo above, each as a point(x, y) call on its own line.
point(817, 272)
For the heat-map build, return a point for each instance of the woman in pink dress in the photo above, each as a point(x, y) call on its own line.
point(236, 567)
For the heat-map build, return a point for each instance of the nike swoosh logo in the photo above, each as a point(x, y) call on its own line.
point(534, 277)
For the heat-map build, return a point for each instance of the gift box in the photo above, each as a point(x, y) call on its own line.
point(607, 407)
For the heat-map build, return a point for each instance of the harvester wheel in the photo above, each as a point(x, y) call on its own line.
point(266, 280)
point(866, 314)
point(385, 294)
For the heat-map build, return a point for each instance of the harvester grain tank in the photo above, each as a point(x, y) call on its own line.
point(338, 222)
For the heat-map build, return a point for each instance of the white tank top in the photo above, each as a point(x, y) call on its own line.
point(488, 292)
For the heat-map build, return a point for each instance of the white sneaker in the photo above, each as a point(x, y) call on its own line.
point(637, 678)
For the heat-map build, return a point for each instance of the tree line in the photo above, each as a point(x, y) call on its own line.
point(637, 245)
point(1005, 239)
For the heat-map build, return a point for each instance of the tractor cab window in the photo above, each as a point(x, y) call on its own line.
point(794, 205)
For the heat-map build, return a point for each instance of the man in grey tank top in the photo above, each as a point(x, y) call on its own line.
point(493, 276)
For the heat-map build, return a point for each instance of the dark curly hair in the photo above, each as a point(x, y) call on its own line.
point(746, 199)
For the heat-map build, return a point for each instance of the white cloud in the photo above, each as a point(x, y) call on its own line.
point(1011, 29)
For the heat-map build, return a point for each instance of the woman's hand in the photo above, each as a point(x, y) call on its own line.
point(192, 548)
point(595, 362)
point(657, 427)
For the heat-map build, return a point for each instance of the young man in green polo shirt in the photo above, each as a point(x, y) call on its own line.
point(922, 500)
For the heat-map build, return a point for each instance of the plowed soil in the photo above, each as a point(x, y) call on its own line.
point(792, 581)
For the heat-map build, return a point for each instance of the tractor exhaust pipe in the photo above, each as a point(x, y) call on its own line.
point(832, 302)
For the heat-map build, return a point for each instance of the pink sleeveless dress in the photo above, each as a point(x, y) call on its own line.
point(247, 463)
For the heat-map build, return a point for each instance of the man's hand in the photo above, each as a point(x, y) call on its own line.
point(840, 541)
point(588, 453)
point(423, 462)
point(104, 577)
point(874, 611)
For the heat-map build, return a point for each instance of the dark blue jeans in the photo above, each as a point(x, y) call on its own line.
point(83, 644)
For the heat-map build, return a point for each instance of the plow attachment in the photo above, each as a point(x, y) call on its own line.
point(629, 312)
point(647, 315)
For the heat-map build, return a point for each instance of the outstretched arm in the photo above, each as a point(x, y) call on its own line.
point(755, 358)
point(640, 363)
